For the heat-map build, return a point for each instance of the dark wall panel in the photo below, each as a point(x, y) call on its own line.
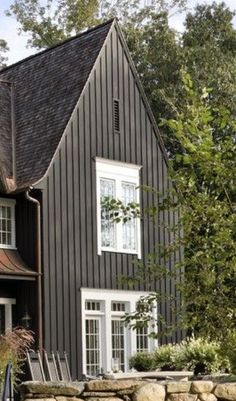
point(69, 198)
point(25, 230)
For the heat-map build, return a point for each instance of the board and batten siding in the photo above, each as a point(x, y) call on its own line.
point(70, 259)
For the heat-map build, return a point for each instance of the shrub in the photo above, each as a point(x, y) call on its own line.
point(166, 357)
point(142, 361)
point(201, 356)
point(13, 346)
point(228, 350)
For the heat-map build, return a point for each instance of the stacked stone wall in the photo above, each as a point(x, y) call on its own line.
point(128, 390)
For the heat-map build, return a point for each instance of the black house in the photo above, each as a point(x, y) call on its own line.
point(75, 126)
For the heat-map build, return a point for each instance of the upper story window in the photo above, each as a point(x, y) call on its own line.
point(7, 223)
point(119, 181)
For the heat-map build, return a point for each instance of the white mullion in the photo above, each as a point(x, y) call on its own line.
point(99, 228)
point(107, 335)
point(138, 229)
point(133, 341)
point(119, 226)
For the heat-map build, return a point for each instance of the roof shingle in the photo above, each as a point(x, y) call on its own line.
point(47, 87)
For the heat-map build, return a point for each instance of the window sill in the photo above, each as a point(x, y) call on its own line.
point(123, 251)
point(2, 246)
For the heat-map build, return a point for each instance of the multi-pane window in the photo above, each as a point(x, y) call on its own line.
point(107, 342)
point(108, 233)
point(129, 229)
point(93, 348)
point(118, 332)
point(118, 181)
point(142, 339)
point(93, 336)
point(118, 341)
point(7, 223)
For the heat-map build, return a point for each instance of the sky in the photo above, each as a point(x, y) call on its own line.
point(17, 44)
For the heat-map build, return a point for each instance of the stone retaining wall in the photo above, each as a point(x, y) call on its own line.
point(128, 390)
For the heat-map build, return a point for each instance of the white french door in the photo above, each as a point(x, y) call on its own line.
point(6, 314)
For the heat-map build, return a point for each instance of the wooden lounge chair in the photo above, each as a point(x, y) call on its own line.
point(35, 366)
point(7, 388)
point(51, 367)
point(63, 367)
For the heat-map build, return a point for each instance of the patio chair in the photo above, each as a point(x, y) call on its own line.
point(35, 366)
point(63, 367)
point(7, 387)
point(51, 367)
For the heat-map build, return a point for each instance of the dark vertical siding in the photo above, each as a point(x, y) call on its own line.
point(25, 230)
point(69, 198)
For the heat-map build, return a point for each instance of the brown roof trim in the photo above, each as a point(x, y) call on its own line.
point(12, 265)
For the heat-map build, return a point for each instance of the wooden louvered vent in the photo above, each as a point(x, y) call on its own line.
point(116, 115)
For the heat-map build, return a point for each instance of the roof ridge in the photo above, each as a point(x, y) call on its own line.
point(58, 44)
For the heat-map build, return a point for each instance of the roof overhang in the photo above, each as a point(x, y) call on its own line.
point(12, 266)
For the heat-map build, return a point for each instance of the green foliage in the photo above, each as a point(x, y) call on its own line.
point(204, 176)
point(3, 49)
point(166, 357)
point(201, 356)
point(204, 188)
point(228, 350)
point(13, 345)
point(49, 23)
point(209, 47)
point(118, 211)
point(142, 362)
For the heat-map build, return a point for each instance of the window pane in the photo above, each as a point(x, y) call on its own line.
point(92, 305)
point(8, 212)
point(142, 339)
point(118, 340)
point(118, 306)
point(107, 189)
point(92, 333)
point(5, 225)
point(3, 212)
point(130, 227)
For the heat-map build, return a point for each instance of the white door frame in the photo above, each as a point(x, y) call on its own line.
point(8, 302)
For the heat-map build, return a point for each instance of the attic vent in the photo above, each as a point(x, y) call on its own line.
point(116, 115)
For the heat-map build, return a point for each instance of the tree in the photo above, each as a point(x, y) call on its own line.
point(49, 23)
point(209, 48)
point(3, 49)
point(158, 59)
point(204, 181)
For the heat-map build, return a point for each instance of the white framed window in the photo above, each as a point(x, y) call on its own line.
point(119, 181)
point(6, 314)
point(7, 223)
point(104, 335)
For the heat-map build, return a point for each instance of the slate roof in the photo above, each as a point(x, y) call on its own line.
point(47, 87)
point(5, 131)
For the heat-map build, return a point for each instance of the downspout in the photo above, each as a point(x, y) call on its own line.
point(39, 269)
point(13, 133)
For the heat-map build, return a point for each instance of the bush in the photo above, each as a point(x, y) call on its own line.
point(13, 346)
point(228, 350)
point(142, 361)
point(201, 356)
point(166, 357)
point(197, 354)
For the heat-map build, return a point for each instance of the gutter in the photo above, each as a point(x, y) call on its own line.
point(39, 269)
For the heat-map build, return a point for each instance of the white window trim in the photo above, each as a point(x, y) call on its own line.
point(8, 302)
point(125, 172)
point(106, 297)
point(10, 203)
